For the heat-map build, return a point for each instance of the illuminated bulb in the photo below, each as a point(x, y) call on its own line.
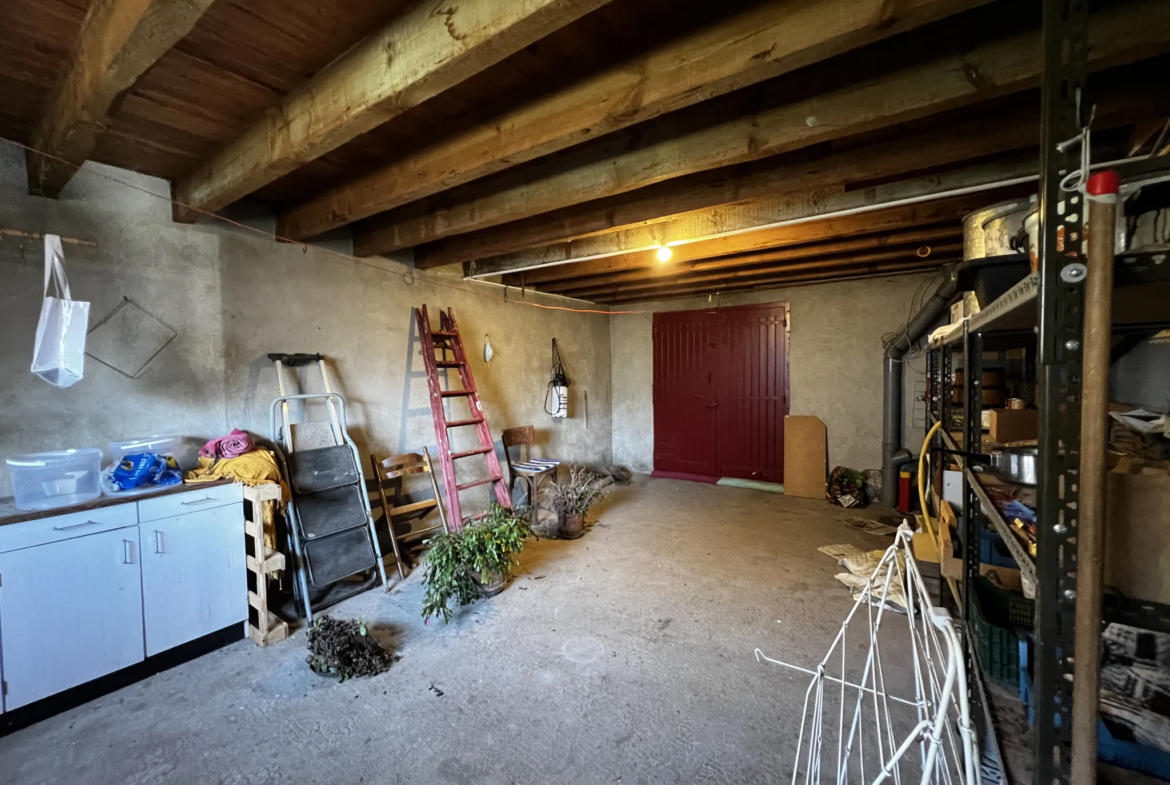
point(664, 254)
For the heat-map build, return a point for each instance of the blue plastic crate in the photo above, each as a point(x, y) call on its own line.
point(1135, 757)
point(1115, 752)
point(993, 550)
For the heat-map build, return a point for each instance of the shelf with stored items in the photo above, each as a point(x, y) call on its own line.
point(956, 359)
point(1141, 291)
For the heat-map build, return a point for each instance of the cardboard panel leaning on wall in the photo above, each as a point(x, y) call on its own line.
point(835, 365)
point(231, 297)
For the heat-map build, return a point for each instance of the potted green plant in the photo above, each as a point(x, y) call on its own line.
point(571, 501)
point(472, 562)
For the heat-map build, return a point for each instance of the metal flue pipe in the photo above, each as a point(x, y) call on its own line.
point(931, 312)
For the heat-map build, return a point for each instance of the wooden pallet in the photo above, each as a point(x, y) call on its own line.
point(269, 629)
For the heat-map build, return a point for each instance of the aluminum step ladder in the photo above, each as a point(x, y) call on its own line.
point(331, 524)
point(447, 339)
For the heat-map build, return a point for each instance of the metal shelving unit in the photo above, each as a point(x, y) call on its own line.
point(1043, 314)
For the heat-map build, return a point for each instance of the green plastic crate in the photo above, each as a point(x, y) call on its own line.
point(996, 619)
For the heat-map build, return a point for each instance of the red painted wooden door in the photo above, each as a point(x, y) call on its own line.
point(721, 392)
point(684, 391)
point(752, 393)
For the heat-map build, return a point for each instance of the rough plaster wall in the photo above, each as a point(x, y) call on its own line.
point(233, 298)
point(835, 365)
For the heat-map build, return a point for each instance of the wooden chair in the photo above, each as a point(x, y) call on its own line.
point(532, 471)
point(386, 473)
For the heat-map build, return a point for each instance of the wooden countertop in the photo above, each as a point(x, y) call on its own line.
point(9, 513)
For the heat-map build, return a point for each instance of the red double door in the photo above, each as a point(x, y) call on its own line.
point(721, 392)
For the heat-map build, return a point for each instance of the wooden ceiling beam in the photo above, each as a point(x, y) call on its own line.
point(827, 276)
point(728, 201)
point(426, 50)
point(1120, 34)
point(658, 270)
point(119, 41)
point(888, 220)
point(758, 43)
point(764, 271)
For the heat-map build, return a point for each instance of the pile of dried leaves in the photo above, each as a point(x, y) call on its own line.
point(345, 648)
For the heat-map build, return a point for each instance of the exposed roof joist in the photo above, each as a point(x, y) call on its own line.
point(1118, 35)
point(750, 46)
point(655, 272)
point(701, 206)
point(119, 41)
point(416, 56)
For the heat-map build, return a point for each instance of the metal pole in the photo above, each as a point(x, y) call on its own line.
point(1063, 102)
point(1094, 425)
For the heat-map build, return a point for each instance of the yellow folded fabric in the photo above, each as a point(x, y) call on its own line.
point(254, 468)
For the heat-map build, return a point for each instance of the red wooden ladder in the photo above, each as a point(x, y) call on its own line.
point(447, 338)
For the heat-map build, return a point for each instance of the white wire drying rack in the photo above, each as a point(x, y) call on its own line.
point(858, 741)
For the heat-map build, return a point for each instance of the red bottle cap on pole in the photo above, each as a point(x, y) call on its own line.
point(1107, 182)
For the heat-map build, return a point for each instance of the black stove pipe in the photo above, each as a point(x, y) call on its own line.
point(892, 455)
point(959, 277)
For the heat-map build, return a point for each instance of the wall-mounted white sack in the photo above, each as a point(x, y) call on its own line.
point(59, 354)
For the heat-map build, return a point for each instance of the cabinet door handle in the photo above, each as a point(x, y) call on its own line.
point(127, 552)
point(158, 541)
point(75, 526)
point(199, 501)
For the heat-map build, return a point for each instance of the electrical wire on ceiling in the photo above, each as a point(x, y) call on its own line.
point(408, 277)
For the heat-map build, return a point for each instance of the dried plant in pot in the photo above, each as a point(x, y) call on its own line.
point(571, 500)
point(472, 562)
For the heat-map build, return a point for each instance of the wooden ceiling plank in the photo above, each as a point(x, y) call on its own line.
point(946, 250)
point(759, 43)
point(829, 276)
point(119, 41)
point(779, 283)
point(784, 214)
point(654, 270)
point(776, 191)
point(888, 220)
point(416, 56)
point(1118, 35)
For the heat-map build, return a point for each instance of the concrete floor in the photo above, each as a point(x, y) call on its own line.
point(625, 656)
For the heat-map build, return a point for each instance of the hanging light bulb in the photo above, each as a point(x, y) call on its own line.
point(664, 254)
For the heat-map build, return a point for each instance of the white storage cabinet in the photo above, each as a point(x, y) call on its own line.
point(84, 594)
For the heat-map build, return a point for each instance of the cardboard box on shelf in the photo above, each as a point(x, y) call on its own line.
point(949, 565)
point(1137, 535)
point(925, 549)
point(1013, 425)
point(1004, 577)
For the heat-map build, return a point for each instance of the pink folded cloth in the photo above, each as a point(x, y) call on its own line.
point(233, 445)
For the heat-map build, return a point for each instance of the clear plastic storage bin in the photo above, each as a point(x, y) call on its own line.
point(43, 480)
point(159, 445)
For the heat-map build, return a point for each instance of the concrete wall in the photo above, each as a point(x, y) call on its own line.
point(835, 364)
point(231, 297)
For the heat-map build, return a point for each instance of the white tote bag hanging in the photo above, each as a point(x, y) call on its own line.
point(59, 354)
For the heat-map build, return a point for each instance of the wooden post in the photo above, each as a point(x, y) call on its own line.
point(1094, 425)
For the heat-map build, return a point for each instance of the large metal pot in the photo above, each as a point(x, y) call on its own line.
point(996, 230)
point(1015, 464)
